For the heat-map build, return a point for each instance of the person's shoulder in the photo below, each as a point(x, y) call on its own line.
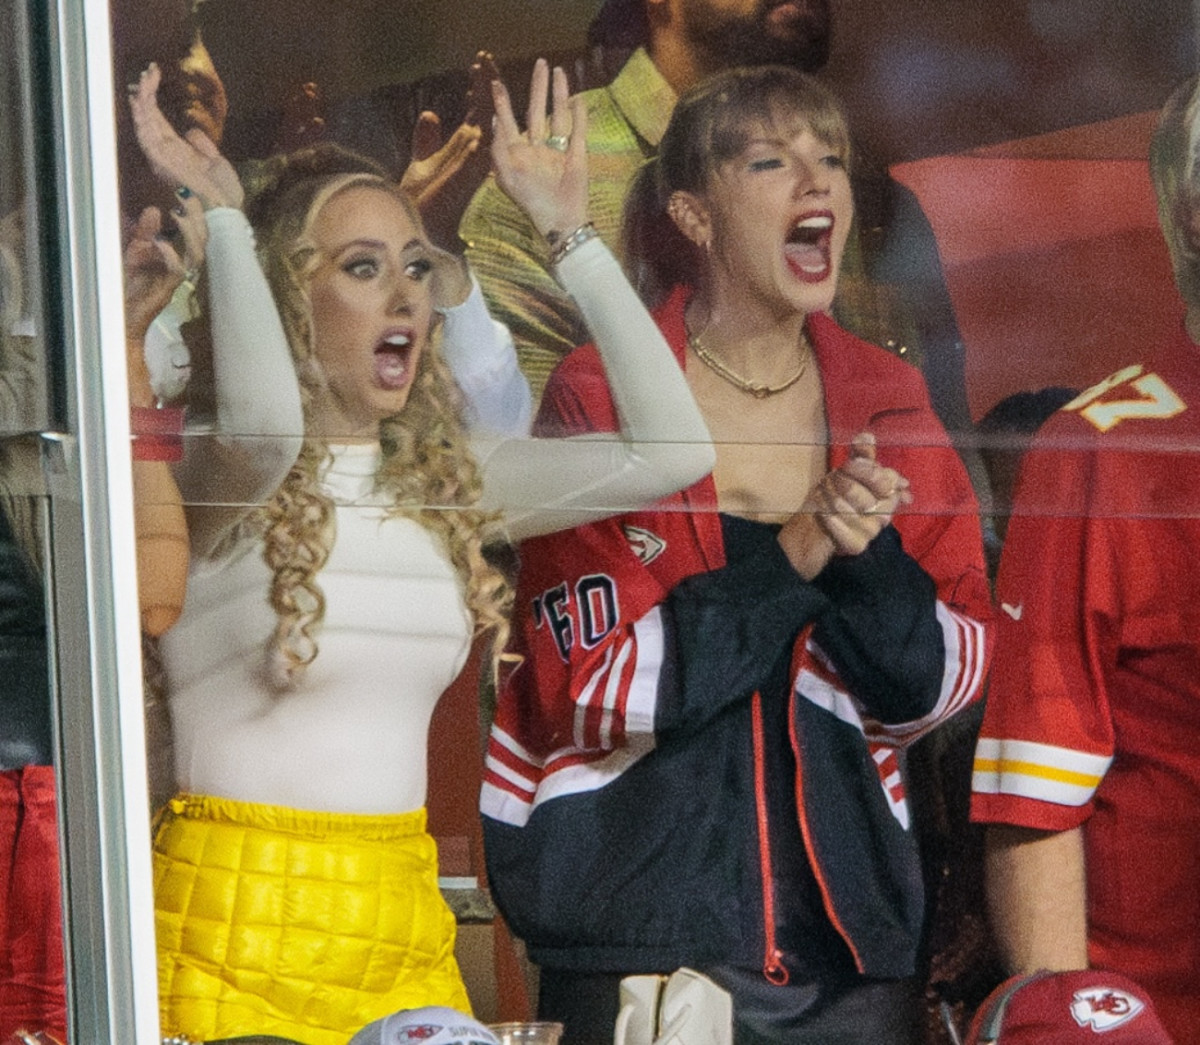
point(580, 365)
point(595, 98)
point(491, 214)
point(609, 131)
point(577, 397)
point(1155, 398)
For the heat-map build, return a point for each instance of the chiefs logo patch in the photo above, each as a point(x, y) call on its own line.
point(420, 1032)
point(1103, 1008)
point(645, 545)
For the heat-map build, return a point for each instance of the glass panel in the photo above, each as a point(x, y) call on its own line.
point(23, 367)
point(32, 985)
point(32, 970)
point(1005, 243)
point(68, 554)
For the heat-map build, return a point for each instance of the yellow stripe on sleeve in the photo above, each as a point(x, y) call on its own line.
point(1043, 772)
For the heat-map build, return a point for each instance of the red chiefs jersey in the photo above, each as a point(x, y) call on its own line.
point(1093, 712)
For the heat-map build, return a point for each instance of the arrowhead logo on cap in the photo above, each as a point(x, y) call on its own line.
point(1103, 1008)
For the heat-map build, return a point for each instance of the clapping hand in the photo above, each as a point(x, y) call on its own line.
point(188, 161)
point(544, 169)
point(845, 511)
point(153, 268)
point(859, 499)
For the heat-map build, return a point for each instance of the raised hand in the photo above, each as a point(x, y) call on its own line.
point(544, 169)
point(191, 160)
point(481, 109)
point(442, 176)
point(153, 269)
point(435, 162)
point(845, 511)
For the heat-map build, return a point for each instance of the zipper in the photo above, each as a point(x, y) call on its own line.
point(773, 968)
point(810, 848)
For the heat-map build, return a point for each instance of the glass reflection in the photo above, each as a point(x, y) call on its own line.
point(32, 987)
point(919, 81)
point(22, 355)
point(32, 978)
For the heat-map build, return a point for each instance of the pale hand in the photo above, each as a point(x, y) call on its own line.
point(845, 511)
point(548, 183)
point(192, 160)
point(153, 268)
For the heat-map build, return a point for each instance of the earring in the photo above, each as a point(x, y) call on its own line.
point(686, 219)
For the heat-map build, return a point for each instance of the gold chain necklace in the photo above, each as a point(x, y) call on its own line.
point(759, 391)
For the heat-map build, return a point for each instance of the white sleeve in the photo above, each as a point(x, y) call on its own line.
point(543, 485)
point(481, 355)
point(259, 423)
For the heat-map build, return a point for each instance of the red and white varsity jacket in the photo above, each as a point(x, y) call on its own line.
point(625, 817)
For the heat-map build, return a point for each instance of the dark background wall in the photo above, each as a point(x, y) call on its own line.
point(921, 77)
point(926, 77)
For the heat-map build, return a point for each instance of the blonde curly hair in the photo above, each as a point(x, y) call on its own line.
point(426, 467)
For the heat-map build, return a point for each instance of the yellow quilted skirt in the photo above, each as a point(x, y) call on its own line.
point(300, 924)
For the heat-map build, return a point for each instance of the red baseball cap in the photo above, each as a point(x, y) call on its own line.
point(1092, 1007)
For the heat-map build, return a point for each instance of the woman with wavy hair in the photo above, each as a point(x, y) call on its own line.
point(295, 884)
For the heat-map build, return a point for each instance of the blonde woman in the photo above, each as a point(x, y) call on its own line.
point(296, 886)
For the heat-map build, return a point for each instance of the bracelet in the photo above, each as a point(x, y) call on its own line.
point(560, 248)
point(157, 434)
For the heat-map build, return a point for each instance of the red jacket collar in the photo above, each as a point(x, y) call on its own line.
point(846, 363)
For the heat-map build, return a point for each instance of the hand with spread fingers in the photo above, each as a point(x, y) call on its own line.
point(442, 176)
point(544, 168)
point(190, 161)
point(434, 162)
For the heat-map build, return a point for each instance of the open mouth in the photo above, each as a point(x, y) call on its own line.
point(393, 359)
point(806, 247)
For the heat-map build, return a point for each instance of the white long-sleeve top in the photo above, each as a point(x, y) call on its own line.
point(351, 737)
point(241, 459)
point(483, 359)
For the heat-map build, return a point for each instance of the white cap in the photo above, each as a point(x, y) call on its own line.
point(431, 1025)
